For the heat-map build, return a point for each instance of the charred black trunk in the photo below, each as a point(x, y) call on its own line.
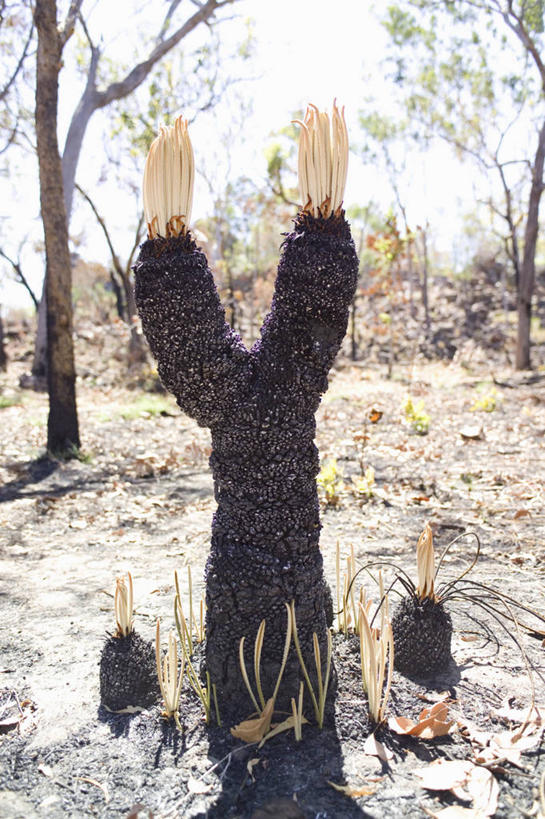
point(260, 406)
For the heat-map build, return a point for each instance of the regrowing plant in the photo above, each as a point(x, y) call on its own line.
point(376, 657)
point(259, 404)
point(421, 623)
point(170, 679)
point(127, 665)
point(416, 416)
point(204, 692)
point(330, 481)
point(318, 697)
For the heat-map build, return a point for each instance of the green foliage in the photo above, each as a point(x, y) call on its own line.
point(330, 481)
point(488, 402)
point(416, 416)
point(144, 406)
point(365, 484)
point(72, 453)
point(8, 401)
point(532, 15)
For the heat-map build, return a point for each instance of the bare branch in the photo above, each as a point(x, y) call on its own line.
point(166, 22)
point(81, 18)
point(16, 265)
point(515, 23)
point(118, 90)
point(9, 83)
point(68, 28)
point(138, 236)
point(102, 223)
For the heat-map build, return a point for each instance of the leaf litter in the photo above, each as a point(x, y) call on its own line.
point(143, 520)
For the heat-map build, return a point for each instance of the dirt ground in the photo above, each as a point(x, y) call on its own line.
point(142, 501)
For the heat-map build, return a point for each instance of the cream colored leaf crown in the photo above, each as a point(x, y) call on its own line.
point(168, 181)
point(323, 161)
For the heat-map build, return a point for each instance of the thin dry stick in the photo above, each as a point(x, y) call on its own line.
point(338, 576)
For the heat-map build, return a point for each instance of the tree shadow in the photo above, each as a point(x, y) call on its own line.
point(39, 470)
point(284, 778)
point(443, 680)
point(30, 472)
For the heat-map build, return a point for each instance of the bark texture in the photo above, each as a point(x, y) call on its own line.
point(260, 406)
point(62, 427)
point(528, 267)
point(3, 356)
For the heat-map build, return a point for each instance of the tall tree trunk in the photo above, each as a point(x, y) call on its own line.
point(528, 269)
point(62, 427)
point(3, 356)
point(353, 329)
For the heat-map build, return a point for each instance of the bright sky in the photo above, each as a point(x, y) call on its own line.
point(306, 51)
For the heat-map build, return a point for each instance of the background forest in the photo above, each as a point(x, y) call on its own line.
point(447, 128)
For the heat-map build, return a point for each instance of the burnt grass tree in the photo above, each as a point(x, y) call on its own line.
point(259, 404)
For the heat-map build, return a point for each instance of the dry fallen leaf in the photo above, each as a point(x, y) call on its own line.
point(466, 781)
point(444, 774)
point(521, 513)
point(286, 725)
point(349, 790)
point(431, 723)
point(101, 785)
point(506, 746)
point(472, 432)
point(373, 747)
point(253, 730)
point(483, 790)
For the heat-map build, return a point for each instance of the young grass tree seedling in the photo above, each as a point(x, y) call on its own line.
point(376, 655)
point(319, 697)
point(259, 404)
point(170, 679)
point(421, 624)
point(255, 729)
point(203, 692)
point(127, 666)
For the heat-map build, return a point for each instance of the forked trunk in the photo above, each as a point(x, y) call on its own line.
point(260, 406)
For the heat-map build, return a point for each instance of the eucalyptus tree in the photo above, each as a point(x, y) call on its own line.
point(473, 72)
point(96, 95)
